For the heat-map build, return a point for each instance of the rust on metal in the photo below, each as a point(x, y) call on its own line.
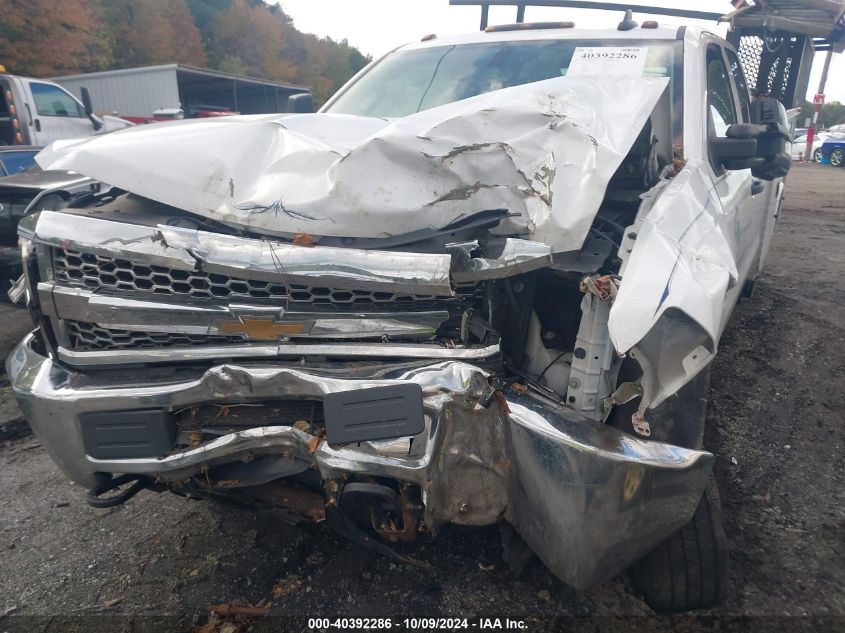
point(301, 500)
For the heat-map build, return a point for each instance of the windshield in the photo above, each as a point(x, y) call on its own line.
point(14, 162)
point(410, 81)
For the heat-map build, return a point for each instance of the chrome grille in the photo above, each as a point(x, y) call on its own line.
point(97, 272)
point(88, 336)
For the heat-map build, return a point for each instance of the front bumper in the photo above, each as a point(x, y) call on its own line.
point(587, 498)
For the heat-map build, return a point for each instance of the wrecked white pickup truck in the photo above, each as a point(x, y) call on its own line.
point(482, 285)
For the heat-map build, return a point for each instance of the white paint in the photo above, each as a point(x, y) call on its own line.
point(545, 151)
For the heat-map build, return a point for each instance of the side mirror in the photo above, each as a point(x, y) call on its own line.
point(760, 146)
point(735, 153)
point(771, 144)
point(302, 103)
point(89, 109)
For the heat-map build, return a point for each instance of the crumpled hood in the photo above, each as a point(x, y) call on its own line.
point(544, 151)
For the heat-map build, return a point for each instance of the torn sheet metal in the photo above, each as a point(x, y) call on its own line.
point(515, 258)
point(545, 151)
point(673, 300)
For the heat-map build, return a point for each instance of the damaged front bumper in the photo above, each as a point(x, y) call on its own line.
point(588, 499)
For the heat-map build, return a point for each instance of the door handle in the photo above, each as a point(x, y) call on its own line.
point(757, 186)
point(37, 125)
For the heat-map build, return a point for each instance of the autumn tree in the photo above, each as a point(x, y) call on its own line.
point(154, 32)
point(262, 41)
point(52, 37)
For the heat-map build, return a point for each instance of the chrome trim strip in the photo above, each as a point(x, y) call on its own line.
point(207, 317)
point(342, 268)
point(284, 350)
point(244, 258)
point(103, 237)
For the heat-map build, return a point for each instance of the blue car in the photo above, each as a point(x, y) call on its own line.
point(16, 158)
point(833, 151)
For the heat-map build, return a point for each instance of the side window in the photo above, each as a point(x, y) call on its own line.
point(741, 86)
point(53, 101)
point(720, 99)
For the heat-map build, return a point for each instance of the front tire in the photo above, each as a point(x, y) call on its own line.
point(817, 155)
point(689, 570)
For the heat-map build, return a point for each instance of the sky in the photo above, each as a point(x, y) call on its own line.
point(377, 26)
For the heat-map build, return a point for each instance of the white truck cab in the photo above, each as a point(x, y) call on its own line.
point(38, 112)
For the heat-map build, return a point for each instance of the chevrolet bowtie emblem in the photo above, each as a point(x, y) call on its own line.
point(260, 328)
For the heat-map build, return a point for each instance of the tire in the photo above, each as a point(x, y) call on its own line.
point(817, 155)
point(837, 157)
point(747, 291)
point(689, 570)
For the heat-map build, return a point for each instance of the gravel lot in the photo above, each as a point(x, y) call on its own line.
point(775, 425)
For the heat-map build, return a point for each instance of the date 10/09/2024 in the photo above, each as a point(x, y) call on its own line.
point(417, 624)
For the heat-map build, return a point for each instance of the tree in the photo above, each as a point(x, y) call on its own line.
point(154, 32)
point(831, 114)
point(53, 37)
point(43, 37)
point(262, 39)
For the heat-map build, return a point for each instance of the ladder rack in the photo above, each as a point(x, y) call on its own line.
point(581, 4)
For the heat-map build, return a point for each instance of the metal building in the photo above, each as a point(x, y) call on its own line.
point(140, 91)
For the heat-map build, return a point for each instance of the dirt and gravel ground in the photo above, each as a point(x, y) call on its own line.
point(775, 426)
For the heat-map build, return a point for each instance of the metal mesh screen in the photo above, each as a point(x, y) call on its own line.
point(776, 64)
point(750, 51)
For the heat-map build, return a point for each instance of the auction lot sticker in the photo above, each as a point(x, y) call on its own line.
point(608, 60)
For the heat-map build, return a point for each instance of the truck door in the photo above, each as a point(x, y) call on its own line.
point(55, 113)
point(743, 197)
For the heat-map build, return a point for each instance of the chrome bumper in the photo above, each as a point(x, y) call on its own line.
point(587, 498)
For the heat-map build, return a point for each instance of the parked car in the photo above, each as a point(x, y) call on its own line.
point(799, 147)
point(31, 191)
point(16, 158)
point(484, 284)
point(833, 150)
point(178, 114)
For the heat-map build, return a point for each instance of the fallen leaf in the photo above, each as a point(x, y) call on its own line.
point(9, 611)
point(230, 483)
point(313, 444)
point(286, 586)
point(108, 604)
point(503, 402)
point(303, 239)
point(208, 627)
